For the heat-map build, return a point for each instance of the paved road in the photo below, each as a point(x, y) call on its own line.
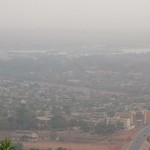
point(139, 139)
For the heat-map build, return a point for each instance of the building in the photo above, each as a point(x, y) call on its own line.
point(140, 118)
point(126, 123)
point(127, 115)
point(42, 122)
point(147, 117)
point(114, 120)
point(25, 136)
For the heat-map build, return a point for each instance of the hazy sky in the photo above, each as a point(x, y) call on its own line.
point(76, 14)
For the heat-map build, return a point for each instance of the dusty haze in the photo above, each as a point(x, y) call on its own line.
point(75, 14)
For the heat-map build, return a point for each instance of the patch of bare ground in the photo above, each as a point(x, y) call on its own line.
point(72, 146)
point(113, 142)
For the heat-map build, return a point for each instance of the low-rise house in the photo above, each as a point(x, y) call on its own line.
point(25, 136)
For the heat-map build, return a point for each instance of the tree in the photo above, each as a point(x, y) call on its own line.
point(7, 144)
point(34, 149)
point(111, 113)
point(61, 148)
point(25, 118)
point(119, 125)
point(73, 122)
point(4, 125)
point(59, 123)
point(84, 125)
point(19, 146)
point(103, 128)
point(67, 109)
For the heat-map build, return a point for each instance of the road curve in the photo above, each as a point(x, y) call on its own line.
point(137, 142)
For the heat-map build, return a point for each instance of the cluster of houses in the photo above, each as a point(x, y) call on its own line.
point(20, 135)
point(131, 119)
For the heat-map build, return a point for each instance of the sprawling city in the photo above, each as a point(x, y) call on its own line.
point(82, 98)
point(74, 75)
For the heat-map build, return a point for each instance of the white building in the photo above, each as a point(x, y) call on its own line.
point(114, 120)
point(126, 123)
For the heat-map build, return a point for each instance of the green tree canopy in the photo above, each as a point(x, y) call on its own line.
point(7, 144)
point(59, 122)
